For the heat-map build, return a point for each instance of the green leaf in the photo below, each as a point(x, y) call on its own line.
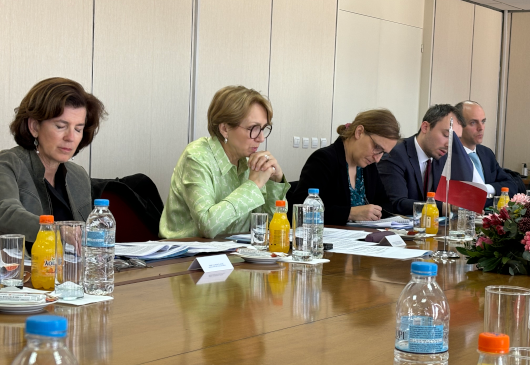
point(526, 255)
point(489, 264)
point(462, 250)
point(472, 260)
point(505, 260)
point(512, 273)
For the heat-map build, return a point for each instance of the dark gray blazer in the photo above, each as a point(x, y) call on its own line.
point(24, 197)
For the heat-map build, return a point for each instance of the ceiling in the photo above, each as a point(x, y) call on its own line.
point(505, 4)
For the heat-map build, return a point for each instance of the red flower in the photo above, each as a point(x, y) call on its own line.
point(495, 221)
point(504, 214)
point(486, 222)
point(482, 239)
point(500, 230)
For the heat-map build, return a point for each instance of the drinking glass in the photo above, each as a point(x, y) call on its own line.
point(495, 201)
point(466, 223)
point(12, 260)
point(416, 217)
point(258, 230)
point(70, 239)
point(507, 310)
point(519, 356)
point(304, 232)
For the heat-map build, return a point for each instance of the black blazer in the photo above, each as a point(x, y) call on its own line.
point(326, 169)
point(401, 176)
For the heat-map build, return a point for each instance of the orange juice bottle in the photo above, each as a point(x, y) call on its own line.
point(279, 229)
point(504, 198)
point(430, 215)
point(43, 255)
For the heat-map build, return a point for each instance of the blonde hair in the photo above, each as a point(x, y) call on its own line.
point(231, 105)
point(376, 121)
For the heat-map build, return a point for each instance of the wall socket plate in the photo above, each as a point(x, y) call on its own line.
point(296, 142)
point(314, 142)
point(323, 142)
point(305, 142)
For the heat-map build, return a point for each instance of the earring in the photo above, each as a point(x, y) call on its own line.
point(226, 140)
point(36, 143)
point(73, 158)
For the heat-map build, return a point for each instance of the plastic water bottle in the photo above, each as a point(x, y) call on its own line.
point(99, 250)
point(422, 319)
point(45, 337)
point(317, 221)
point(493, 348)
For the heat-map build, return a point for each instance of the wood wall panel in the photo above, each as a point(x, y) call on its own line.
point(39, 40)
point(409, 12)
point(387, 75)
point(142, 53)
point(233, 48)
point(453, 40)
point(301, 78)
point(516, 147)
point(485, 69)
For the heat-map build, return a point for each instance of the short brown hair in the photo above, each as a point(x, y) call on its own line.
point(231, 104)
point(376, 121)
point(47, 100)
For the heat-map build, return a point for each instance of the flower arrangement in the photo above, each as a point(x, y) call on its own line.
point(503, 243)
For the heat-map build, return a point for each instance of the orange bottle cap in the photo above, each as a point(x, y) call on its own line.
point(505, 189)
point(280, 203)
point(46, 219)
point(496, 343)
point(431, 194)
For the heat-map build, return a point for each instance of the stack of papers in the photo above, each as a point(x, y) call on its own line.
point(395, 222)
point(331, 235)
point(153, 250)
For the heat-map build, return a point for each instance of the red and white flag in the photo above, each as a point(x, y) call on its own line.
point(457, 179)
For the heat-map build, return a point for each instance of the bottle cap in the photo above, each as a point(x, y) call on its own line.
point(46, 219)
point(101, 202)
point(46, 325)
point(313, 191)
point(497, 343)
point(505, 189)
point(280, 203)
point(424, 268)
point(431, 194)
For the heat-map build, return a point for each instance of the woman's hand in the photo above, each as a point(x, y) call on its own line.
point(264, 160)
point(368, 212)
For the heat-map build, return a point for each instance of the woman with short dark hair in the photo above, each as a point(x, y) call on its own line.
point(345, 172)
point(55, 120)
point(219, 180)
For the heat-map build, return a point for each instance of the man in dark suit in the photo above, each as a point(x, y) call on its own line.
point(486, 170)
point(408, 172)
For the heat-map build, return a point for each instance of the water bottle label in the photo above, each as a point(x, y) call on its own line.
point(417, 334)
point(98, 239)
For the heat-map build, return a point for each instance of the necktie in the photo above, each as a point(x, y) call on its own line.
point(427, 177)
point(476, 161)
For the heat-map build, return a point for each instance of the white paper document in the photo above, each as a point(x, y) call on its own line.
point(214, 246)
point(150, 250)
point(382, 251)
point(211, 263)
point(331, 235)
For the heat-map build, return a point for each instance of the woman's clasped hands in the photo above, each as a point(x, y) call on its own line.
point(264, 167)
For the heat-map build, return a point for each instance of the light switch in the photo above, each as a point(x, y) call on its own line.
point(323, 142)
point(314, 142)
point(296, 142)
point(305, 142)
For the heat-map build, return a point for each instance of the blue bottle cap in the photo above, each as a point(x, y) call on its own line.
point(101, 202)
point(424, 268)
point(47, 325)
point(313, 191)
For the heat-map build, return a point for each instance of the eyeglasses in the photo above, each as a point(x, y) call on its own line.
point(255, 131)
point(378, 150)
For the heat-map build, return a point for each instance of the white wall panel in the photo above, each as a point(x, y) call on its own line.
point(233, 49)
point(516, 147)
point(378, 64)
point(39, 40)
point(485, 68)
point(453, 40)
point(301, 78)
point(408, 12)
point(142, 52)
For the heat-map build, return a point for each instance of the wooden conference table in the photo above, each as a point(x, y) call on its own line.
point(334, 313)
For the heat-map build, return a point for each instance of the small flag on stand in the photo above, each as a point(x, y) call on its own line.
point(458, 174)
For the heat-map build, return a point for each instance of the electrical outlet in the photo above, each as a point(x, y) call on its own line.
point(305, 142)
point(323, 142)
point(296, 142)
point(314, 142)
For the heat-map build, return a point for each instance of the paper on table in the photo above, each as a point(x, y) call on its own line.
point(214, 246)
point(312, 262)
point(383, 251)
point(331, 235)
point(150, 250)
point(87, 299)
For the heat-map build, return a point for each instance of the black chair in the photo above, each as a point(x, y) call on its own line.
point(517, 180)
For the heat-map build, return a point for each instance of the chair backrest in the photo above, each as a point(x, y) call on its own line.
point(135, 204)
point(518, 181)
